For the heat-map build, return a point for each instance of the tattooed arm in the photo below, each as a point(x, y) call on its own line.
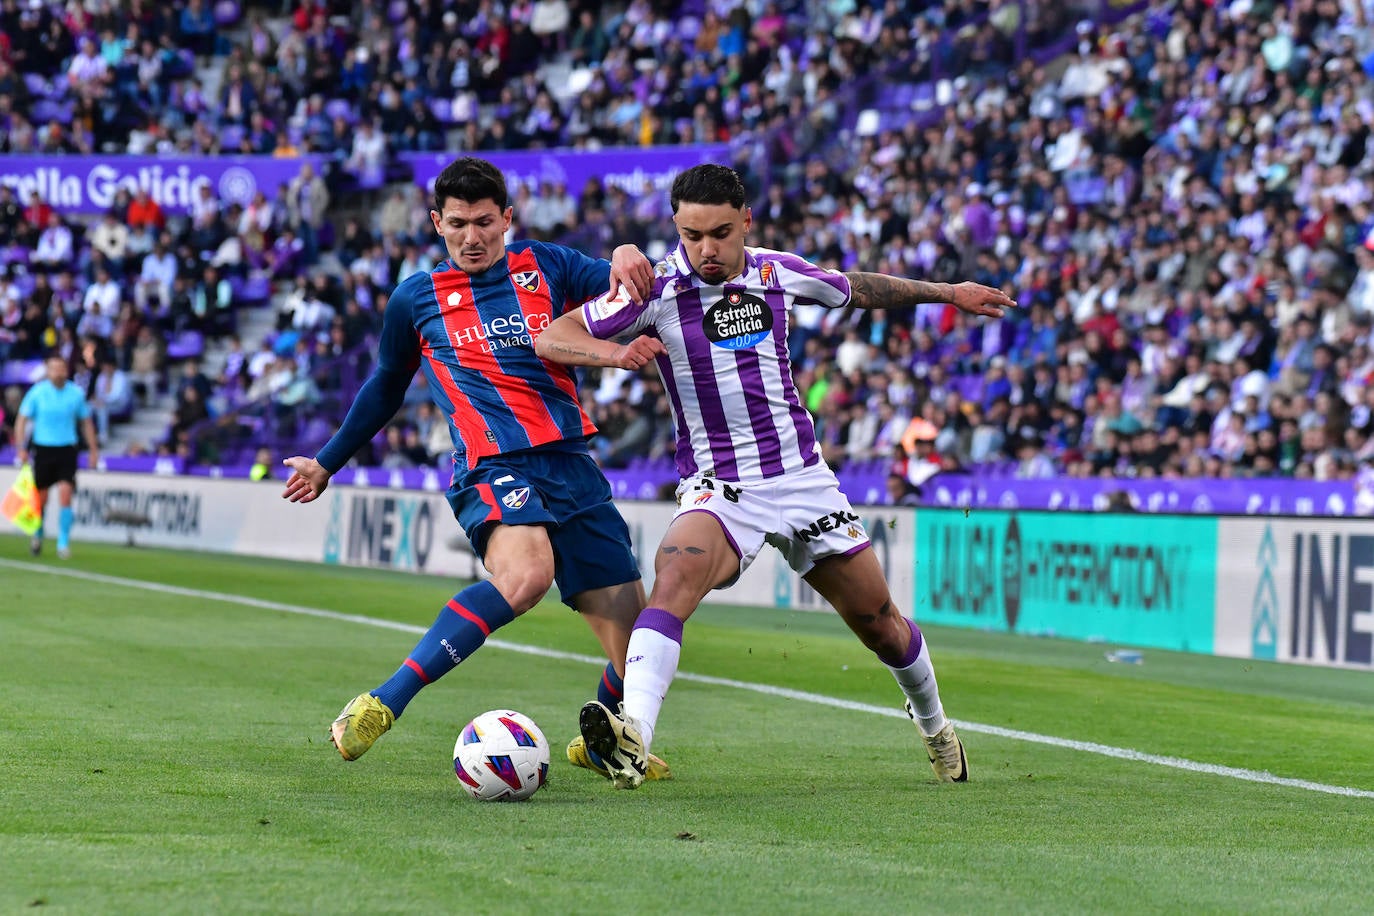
point(568, 341)
point(881, 291)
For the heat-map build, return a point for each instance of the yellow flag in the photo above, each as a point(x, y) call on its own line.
point(20, 504)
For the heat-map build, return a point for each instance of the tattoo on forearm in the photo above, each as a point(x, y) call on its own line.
point(574, 352)
point(880, 291)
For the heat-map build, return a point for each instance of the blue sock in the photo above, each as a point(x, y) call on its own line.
point(459, 630)
point(64, 527)
point(610, 690)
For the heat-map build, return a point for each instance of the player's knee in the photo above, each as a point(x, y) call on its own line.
point(879, 628)
point(524, 585)
point(684, 579)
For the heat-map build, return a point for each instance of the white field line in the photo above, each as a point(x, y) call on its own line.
point(1089, 747)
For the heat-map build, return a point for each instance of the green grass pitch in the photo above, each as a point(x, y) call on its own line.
point(167, 753)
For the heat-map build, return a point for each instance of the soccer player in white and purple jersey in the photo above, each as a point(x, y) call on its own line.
point(716, 323)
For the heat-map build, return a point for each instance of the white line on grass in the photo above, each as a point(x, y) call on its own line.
point(1089, 747)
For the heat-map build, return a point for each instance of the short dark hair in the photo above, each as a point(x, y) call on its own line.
point(708, 184)
point(472, 180)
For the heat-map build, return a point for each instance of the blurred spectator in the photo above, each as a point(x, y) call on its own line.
point(307, 200)
point(261, 468)
point(54, 250)
point(111, 238)
point(155, 277)
point(112, 397)
point(103, 296)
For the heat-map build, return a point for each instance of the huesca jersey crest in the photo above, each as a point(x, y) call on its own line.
point(527, 279)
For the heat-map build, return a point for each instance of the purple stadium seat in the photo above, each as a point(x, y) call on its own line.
point(185, 345)
point(45, 110)
point(231, 135)
point(340, 108)
point(442, 107)
point(14, 254)
point(21, 371)
point(1087, 190)
point(35, 83)
point(318, 428)
point(887, 96)
point(396, 11)
point(227, 13)
point(253, 290)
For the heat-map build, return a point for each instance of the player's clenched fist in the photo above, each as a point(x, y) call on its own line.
point(638, 353)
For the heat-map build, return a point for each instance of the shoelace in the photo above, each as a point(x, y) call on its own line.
point(369, 727)
point(947, 749)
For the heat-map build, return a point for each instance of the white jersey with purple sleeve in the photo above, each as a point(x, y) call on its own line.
point(736, 409)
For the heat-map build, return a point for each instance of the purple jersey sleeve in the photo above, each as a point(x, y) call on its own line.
point(608, 317)
point(811, 285)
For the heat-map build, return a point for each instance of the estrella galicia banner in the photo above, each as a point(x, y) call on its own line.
point(636, 171)
point(1135, 579)
point(88, 184)
point(1297, 591)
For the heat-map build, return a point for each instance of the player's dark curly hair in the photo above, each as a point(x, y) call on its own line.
point(472, 180)
point(708, 184)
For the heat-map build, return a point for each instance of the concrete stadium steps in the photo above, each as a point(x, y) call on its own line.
point(150, 424)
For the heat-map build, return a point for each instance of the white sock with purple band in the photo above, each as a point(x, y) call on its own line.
point(650, 665)
point(916, 676)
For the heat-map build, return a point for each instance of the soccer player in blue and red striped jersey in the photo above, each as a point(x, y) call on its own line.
point(525, 490)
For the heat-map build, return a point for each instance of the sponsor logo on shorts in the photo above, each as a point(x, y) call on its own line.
point(702, 498)
point(834, 521)
point(452, 652)
point(516, 498)
point(527, 279)
point(853, 532)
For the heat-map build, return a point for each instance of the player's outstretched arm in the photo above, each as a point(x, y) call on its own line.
point(377, 402)
point(568, 341)
point(881, 291)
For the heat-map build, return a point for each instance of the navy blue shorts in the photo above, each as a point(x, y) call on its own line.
point(567, 494)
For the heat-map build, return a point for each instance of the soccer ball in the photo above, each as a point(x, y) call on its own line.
point(501, 756)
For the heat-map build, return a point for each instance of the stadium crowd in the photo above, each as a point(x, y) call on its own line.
point(1182, 206)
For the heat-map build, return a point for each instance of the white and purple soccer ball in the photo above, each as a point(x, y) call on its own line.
point(501, 756)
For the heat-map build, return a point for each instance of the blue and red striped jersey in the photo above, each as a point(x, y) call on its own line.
point(473, 334)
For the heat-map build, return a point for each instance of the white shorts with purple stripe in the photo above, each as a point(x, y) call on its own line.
point(802, 513)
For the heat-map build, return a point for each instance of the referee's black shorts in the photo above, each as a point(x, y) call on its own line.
point(53, 464)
